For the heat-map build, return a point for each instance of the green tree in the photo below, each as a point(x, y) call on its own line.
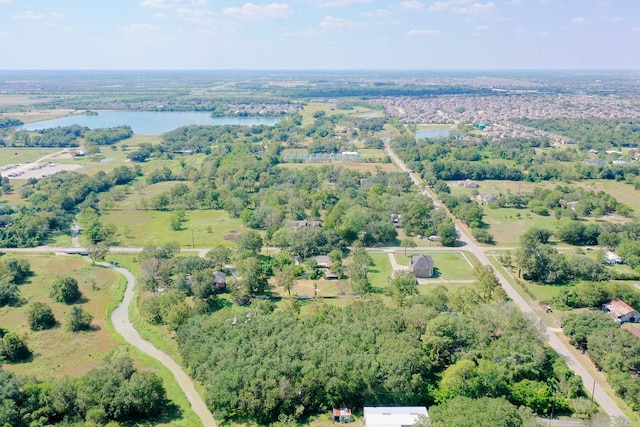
point(487, 284)
point(40, 316)
point(97, 252)
point(13, 348)
point(250, 241)
point(463, 411)
point(403, 285)
point(219, 256)
point(65, 290)
point(447, 233)
point(79, 319)
point(408, 243)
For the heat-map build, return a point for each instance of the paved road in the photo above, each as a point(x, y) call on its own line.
point(590, 384)
point(122, 325)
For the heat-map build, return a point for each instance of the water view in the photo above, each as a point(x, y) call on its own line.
point(149, 122)
point(433, 133)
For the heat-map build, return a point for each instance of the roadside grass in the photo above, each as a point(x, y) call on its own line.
point(152, 228)
point(427, 287)
point(447, 265)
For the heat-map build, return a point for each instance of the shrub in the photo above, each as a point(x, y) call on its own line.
point(40, 317)
point(65, 289)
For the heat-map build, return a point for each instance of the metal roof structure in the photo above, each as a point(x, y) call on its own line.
point(394, 416)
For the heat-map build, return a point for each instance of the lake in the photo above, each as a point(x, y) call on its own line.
point(433, 133)
point(148, 122)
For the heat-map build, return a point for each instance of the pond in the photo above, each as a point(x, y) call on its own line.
point(148, 122)
point(433, 133)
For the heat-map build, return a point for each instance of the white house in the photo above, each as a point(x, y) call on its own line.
point(613, 258)
point(395, 416)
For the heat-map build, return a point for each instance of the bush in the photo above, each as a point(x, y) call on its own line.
point(65, 289)
point(13, 348)
point(40, 317)
point(482, 236)
point(79, 320)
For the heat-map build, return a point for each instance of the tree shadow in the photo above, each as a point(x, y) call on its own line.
point(436, 273)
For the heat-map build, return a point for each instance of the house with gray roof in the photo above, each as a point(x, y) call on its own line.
point(421, 266)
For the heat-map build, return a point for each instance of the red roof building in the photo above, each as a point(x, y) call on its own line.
point(621, 311)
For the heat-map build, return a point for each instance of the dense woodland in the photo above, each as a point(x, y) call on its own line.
point(265, 365)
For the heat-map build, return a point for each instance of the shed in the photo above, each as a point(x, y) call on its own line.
point(421, 265)
point(398, 416)
point(220, 279)
point(341, 415)
point(323, 261)
point(621, 311)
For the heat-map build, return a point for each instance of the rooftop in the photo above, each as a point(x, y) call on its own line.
point(619, 308)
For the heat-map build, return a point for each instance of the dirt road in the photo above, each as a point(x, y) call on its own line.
point(122, 325)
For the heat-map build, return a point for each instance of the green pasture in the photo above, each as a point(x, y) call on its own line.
point(329, 108)
point(506, 224)
point(14, 155)
point(142, 228)
point(57, 352)
point(142, 193)
point(447, 266)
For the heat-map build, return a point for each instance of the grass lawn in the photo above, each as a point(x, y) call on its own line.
point(380, 270)
point(152, 228)
point(447, 266)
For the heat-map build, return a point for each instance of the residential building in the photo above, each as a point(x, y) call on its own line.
point(421, 266)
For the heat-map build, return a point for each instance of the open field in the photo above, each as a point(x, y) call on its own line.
point(56, 351)
point(152, 228)
point(380, 271)
point(362, 167)
point(507, 224)
point(9, 156)
point(34, 116)
point(330, 108)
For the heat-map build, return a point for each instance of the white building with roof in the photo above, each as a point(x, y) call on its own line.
point(393, 416)
point(621, 311)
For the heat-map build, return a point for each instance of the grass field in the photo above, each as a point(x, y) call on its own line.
point(329, 108)
point(506, 224)
point(447, 266)
point(10, 156)
point(152, 228)
point(380, 271)
point(362, 167)
point(57, 352)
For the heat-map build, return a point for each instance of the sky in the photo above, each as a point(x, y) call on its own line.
point(320, 34)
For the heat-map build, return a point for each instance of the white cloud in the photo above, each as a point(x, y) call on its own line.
point(482, 27)
point(340, 3)
point(202, 16)
point(635, 30)
point(331, 22)
point(424, 32)
point(5, 1)
point(160, 15)
point(475, 8)
point(379, 13)
point(4, 34)
point(579, 20)
point(28, 15)
point(412, 4)
point(57, 15)
point(173, 4)
point(253, 12)
point(137, 28)
point(543, 34)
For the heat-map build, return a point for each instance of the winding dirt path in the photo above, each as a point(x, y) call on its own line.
point(124, 327)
